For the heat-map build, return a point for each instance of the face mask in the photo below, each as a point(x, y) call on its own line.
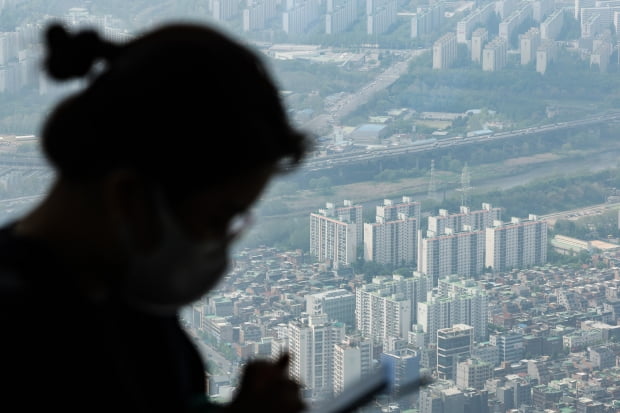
point(179, 271)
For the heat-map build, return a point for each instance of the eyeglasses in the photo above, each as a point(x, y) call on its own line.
point(238, 224)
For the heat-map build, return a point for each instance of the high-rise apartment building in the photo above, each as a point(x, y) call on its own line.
point(381, 315)
point(380, 15)
point(551, 27)
point(460, 253)
point(477, 17)
point(311, 344)
point(476, 220)
point(455, 301)
point(546, 53)
point(454, 344)
point(528, 45)
point(517, 244)
point(514, 20)
point(352, 361)
point(494, 55)
point(298, 16)
point(335, 233)
point(541, 9)
point(579, 4)
point(479, 38)
point(392, 238)
point(444, 51)
point(376, 318)
point(340, 15)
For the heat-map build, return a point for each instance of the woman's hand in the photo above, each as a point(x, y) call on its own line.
point(266, 387)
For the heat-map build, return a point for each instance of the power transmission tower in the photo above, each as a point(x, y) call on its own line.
point(465, 186)
point(432, 186)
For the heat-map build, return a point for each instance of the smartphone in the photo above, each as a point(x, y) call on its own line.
point(364, 391)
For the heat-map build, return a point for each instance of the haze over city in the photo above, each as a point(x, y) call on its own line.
point(458, 218)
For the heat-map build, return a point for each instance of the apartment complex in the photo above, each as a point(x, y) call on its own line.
point(311, 345)
point(392, 238)
point(335, 233)
point(517, 244)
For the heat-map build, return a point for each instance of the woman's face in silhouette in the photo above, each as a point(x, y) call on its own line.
point(216, 213)
point(191, 253)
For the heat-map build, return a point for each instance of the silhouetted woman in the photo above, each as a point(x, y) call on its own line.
point(158, 161)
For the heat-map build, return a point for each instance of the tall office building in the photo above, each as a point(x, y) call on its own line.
point(518, 244)
point(461, 253)
point(392, 239)
point(311, 345)
point(335, 233)
point(402, 367)
point(510, 346)
point(454, 344)
point(338, 305)
point(444, 51)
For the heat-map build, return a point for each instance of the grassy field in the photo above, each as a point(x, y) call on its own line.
point(304, 201)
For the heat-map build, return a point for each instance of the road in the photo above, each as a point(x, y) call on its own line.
point(580, 212)
point(330, 161)
point(350, 102)
point(210, 355)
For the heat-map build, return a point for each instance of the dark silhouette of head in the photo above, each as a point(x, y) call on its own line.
point(183, 105)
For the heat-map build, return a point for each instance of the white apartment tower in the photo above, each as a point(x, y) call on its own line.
point(352, 361)
point(444, 51)
point(528, 45)
point(494, 55)
point(551, 27)
point(392, 239)
point(335, 233)
point(461, 253)
point(545, 54)
point(414, 289)
point(455, 301)
point(340, 15)
point(479, 38)
point(311, 345)
point(476, 220)
point(517, 244)
point(381, 313)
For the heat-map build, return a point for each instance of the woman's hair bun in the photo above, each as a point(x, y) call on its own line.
point(72, 55)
